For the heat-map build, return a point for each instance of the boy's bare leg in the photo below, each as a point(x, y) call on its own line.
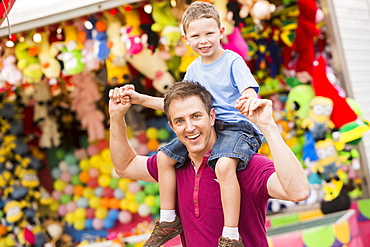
point(169, 225)
point(167, 181)
point(230, 195)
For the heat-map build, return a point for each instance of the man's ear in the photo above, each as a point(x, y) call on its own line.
point(170, 124)
point(212, 115)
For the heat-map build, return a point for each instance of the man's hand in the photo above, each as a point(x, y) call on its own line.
point(117, 103)
point(259, 111)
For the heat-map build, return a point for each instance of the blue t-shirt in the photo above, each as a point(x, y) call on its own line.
point(225, 79)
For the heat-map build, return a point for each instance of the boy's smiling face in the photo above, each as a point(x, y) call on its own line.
point(203, 36)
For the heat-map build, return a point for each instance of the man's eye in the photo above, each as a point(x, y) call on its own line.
point(197, 116)
point(178, 121)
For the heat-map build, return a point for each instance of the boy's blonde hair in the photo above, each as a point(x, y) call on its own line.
point(199, 10)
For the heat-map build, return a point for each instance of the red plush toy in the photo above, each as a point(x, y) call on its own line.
point(303, 44)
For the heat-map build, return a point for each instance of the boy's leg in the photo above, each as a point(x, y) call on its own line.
point(230, 197)
point(167, 190)
point(167, 186)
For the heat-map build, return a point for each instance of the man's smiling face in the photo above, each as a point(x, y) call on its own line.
point(193, 124)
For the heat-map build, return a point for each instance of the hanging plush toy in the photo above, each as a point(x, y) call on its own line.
point(303, 44)
point(70, 54)
point(117, 68)
point(11, 75)
point(28, 62)
point(221, 6)
point(101, 49)
point(149, 37)
point(44, 118)
point(131, 32)
point(261, 11)
point(318, 121)
point(162, 15)
point(50, 66)
point(154, 68)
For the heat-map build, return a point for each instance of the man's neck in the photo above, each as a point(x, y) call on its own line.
point(197, 158)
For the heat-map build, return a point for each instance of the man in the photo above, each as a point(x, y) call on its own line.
point(188, 107)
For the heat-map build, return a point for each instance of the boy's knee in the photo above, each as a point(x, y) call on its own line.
point(226, 167)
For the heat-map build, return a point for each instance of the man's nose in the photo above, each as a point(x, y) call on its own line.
point(189, 126)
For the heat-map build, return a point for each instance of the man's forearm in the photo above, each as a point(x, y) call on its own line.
point(121, 150)
point(288, 168)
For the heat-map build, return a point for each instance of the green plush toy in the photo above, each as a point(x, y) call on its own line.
point(28, 62)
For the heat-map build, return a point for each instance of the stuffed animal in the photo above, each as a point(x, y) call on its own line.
point(26, 53)
point(303, 43)
point(152, 67)
point(84, 99)
point(57, 236)
point(50, 66)
point(261, 10)
point(236, 43)
point(99, 35)
point(318, 121)
point(149, 38)
point(162, 15)
point(131, 32)
point(44, 118)
point(221, 6)
point(328, 163)
point(11, 75)
point(70, 54)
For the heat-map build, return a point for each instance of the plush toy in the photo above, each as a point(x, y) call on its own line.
point(236, 43)
point(11, 75)
point(70, 54)
point(44, 117)
point(152, 67)
point(187, 56)
point(351, 126)
point(116, 65)
point(298, 102)
point(131, 32)
point(57, 236)
point(99, 35)
point(162, 15)
point(303, 44)
point(221, 6)
point(318, 121)
point(328, 163)
point(26, 53)
point(233, 14)
point(261, 10)
point(149, 38)
point(84, 99)
point(91, 62)
point(50, 66)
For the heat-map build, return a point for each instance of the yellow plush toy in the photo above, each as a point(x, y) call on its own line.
point(49, 64)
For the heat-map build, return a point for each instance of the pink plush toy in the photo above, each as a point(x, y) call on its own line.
point(84, 99)
point(11, 75)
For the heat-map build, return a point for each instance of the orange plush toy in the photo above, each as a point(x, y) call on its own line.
point(303, 44)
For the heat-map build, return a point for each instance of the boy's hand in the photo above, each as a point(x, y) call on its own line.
point(259, 111)
point(128, 90)
point(117, 103)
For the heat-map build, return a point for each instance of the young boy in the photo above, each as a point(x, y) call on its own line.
point(225, 74)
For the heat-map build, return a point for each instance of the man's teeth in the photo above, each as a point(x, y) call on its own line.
point(193, 136)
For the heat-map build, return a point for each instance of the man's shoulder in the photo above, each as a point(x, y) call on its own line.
point(257, 165)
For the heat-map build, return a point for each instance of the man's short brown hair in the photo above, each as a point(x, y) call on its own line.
point(183, 90)
point(199, 10)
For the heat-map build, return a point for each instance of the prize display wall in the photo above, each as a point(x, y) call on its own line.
point(57, 180)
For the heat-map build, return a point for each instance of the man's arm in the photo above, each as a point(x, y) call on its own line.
point(152, 102)
point(127, 162)
point(289, 182)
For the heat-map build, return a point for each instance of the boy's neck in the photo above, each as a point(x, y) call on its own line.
point(217, 55)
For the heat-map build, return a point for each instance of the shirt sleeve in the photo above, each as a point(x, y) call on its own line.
point(152, 166)
point(242, 76)
point(255, 177)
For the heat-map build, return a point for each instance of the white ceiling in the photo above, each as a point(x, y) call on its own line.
point(29, 14)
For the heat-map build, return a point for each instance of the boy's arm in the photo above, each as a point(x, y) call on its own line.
point(152, 102)
point(289, 182)
point(127, 162)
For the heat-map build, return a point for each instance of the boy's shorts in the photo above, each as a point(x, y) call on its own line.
point(237, 140)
